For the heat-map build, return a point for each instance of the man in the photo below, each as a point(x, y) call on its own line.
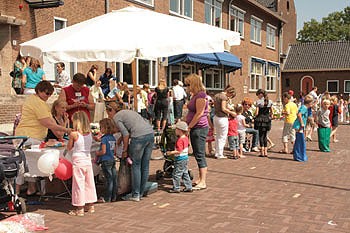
point(179, 99)
point(62, 78)
point(77, 96)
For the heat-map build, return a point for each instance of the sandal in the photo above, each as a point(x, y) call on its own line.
point(90, 209)
point(283, 152)
point(77, 212)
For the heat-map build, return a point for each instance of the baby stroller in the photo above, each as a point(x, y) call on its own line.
point(10, 159)
point(167, 143)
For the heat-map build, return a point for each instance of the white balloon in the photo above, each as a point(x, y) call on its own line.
point(48, 162)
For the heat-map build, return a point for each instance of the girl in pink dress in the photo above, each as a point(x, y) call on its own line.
point(83, 185)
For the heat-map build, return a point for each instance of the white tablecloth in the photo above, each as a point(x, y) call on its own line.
point(32, 156)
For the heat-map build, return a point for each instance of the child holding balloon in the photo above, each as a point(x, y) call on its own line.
point(106, 159)
point(83, 185)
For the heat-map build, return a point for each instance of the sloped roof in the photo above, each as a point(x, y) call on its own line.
point(271, 4)
point(318, 56)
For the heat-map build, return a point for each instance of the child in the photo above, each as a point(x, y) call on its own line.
point(83, 185)
point(96, 92)
point(299, 149)
point(241, 129)
point(210, 137)
point(333, 116)
point(324, 126)
point(181, 159)
point(290, 114)
point(232, 136)
point(106, 159)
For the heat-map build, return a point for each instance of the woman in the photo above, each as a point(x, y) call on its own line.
point(91, 76)
point(32, 75)
point(18, 68)
point(105, 79)
point(126, 95)
point(197, 120)
point(263, 116)
point(35, 121)
point(139, 149)
point(59, 114)
point(221, 119)
point(162, 104)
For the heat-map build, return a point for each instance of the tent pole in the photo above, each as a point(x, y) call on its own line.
point(134, 86)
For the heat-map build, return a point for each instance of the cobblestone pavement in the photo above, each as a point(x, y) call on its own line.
point(252, 194)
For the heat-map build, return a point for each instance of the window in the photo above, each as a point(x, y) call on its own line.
point(333, 86)
point(214, 79)
point(256, 75)
point(346, 86)
point(147, 2)
point(271, 77)
point(255, 30)
point(237, 20)
point(146, 72)
point(181, 7)
point(180, 72)
point(213, 9)
point(59, 23)
point(270, 36)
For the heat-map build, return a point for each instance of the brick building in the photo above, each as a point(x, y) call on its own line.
point(322, 64)
point(266, 27)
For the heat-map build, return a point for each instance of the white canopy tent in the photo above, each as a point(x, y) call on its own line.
point(131, 32)
point(123, 35)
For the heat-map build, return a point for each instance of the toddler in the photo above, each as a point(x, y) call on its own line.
point(83, 185)
point(106, 159)
point(232, 136)
point(241, 129)
point(181, 159)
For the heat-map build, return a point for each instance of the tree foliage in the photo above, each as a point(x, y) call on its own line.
point(334, 27)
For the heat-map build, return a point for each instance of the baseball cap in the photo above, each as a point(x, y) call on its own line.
point(181, 125)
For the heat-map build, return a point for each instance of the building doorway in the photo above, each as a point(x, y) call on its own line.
point(307, 82)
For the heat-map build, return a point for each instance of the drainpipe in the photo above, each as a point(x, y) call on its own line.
point(106, 11)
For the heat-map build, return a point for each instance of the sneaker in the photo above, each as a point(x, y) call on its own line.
point(255, 149)
point(101, 200)
point(130, 198)
point(187, 190)
point(221, 157)
point(173, 191)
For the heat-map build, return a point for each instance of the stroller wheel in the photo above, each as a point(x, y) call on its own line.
point(159, 174)
point(190, 173)
point(20, 206)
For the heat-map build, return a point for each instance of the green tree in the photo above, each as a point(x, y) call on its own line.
point(334, 27)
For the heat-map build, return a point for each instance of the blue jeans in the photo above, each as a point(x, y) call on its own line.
point(255, 134)
point(110, 172)
point(140, 151)
point(181, 171)
point(178, 105)
point(233, 142)
point(198, 139)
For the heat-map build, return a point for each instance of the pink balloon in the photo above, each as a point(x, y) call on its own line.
point(64, 169)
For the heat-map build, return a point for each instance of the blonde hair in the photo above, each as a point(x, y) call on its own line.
point(195, 83)
point(81, 122)
point(55, 104)
point(326, 101)
point(108, 125)
point(334, 99)
point(162, 84)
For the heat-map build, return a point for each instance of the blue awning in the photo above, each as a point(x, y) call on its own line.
point(228, 60)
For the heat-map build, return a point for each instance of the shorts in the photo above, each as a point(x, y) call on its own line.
point(210, 136)
point(241, 136)
point(288, 133)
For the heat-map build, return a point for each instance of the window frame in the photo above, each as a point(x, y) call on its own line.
point(345, 81)
point(213, 9)
point(145, 3)
point(269, 35)
point(336, 81)
point(181, 10)
point(181, 77)
point(255, 27)
point(260, 76)
point(222, 79)
point(268, 75)
point(237, 19)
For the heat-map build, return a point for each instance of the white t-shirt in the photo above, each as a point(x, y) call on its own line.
point(240, 119)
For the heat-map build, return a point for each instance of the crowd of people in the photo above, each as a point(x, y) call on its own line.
point(243, 126)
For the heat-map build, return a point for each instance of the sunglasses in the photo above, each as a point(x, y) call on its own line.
point(247, 105)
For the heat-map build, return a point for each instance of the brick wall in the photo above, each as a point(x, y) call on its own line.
point(10, 105)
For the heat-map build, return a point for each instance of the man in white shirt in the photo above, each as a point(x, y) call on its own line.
point(62, 78)
point(179, 96)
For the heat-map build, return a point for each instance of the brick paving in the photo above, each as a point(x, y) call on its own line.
point(252, 194)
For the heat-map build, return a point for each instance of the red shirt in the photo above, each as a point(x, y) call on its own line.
point(73, 96)
point(232, 127)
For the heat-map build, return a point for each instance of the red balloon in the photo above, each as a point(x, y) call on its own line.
point(64, 169)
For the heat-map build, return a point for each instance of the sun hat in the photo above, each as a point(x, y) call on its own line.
point(181, 125)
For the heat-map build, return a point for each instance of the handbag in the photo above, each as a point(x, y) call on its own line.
point(12, 74)
point(124, 177)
